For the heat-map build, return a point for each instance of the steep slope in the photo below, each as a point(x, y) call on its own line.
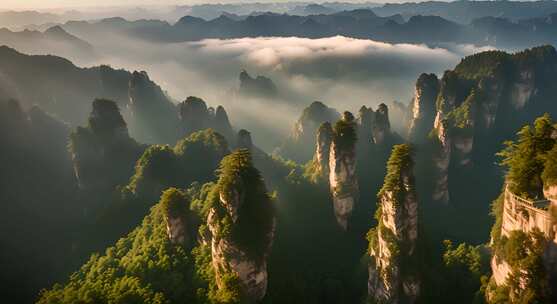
point(479, 104)
point(392, 245)
point(524, 244)
point(103, 153)
point(342, 165)
point(242, 227)
point(144, 266)
point(305, 130)
point(54, 40)
point(194, 116)
point(61, 88)
point(38, 194)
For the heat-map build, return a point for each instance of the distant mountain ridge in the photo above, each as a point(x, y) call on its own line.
point(54, 40)
point(358, 23)
point(466, 11)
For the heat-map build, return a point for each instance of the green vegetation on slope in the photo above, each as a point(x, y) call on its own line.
point(143, 267)
point(240, 180)
point(527, 282)
point(526, 158)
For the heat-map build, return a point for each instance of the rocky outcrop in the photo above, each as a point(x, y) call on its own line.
point(423, 107)
point(260, 86)
point(323, 149)
point(221, 124)
point(241, 250)
point(177, 216)
point(483, 100)
point(343, 181)
point(243, 140)
point(441, 161)
point(526, 216)
point(366, 120)
point(381, 126)
point(393, 277)
point(153, 115)
point(195, 116)
point(103, 153)
point(305, 130)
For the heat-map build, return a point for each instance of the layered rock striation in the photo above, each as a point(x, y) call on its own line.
point(423, 107)
point(242, 225)
point(343, 181)
point(482, 101)
point(393, 277)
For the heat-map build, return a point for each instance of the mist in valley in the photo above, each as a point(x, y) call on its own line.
point(281, 152)
point(344, 73)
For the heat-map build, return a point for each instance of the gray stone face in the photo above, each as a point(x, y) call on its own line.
point(324, 140)
point(381, 124)
point(343, 181)
point(229, 257)
point(423, 107)
point(399, 219)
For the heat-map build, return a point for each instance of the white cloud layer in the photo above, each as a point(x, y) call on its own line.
point(342, 72)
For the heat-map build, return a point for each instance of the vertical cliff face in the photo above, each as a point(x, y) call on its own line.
point(524, 250)
point(242, 225)
point(323, 149)
point(381, 125)
point(366, 120)
point(392, 247)
point(423, 107)
point(305, 130)
point(488, 96)
point(342, 169)
point(523, 238)
point(103, 153)
point(153, 116)
point(221, 124)
point(441, 161)
point(194, 115)
point(177, 216)
point(243, 140)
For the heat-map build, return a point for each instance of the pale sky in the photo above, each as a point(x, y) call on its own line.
point(53, 4)
point(42, 4)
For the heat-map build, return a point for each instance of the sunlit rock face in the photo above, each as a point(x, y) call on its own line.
point(153, 115)
point(342, 165)
point(441, 161)
point(391, 281)
point(178, 217)
point(484, 99)
point(305, 130)
point(381, 126)
point(241, 189)
point(519, 214)
point(323, 149)
point(423, 107)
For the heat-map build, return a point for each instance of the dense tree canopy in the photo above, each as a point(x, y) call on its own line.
point(526, 158)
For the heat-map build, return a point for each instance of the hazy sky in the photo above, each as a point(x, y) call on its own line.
point(39, 4)
point(44, 4)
